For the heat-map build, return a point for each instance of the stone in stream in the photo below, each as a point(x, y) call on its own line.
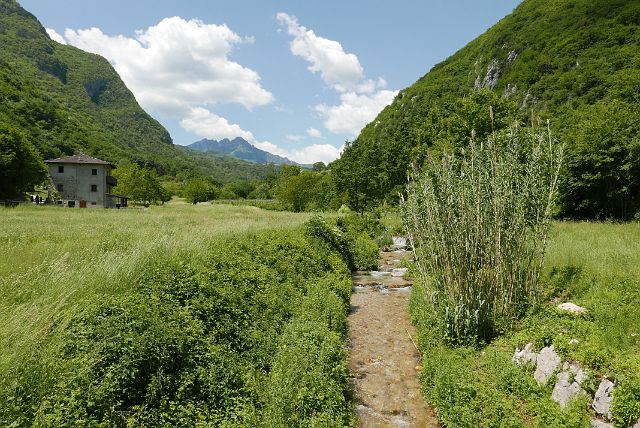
point(548, 362)
point(398, 272)
point(379, 274)
point(399, 243)
point(602, 400)
point(596, 423)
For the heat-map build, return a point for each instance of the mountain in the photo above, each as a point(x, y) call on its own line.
point(575, 62)
point(66, 100)
point(241, 149)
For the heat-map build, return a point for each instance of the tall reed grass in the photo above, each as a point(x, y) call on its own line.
point(478, 222)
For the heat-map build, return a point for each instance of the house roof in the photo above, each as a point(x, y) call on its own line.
point(81, 158)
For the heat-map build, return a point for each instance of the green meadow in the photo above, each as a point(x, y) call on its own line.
point(176, 315)
point(594, 265)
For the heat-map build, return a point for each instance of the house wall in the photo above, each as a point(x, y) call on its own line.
point(77, 180)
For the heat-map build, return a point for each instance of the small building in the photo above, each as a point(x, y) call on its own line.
point(84, 182)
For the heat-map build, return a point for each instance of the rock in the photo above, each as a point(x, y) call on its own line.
point(572, 308)
point(526, 355)
point(573, 342)
point(399, 272)
point(602, 399)
point(637, 425)
point(568, 383)
point(547, 363)
point(596, 423)
point(399, 243)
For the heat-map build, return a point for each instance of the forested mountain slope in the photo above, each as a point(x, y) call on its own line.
point(239, 148)
point(575, 62)
point(64, 100)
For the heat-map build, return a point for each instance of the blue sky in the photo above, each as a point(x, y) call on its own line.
point(297, 78)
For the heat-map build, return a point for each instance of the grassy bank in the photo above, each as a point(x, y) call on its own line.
point(173, 316)
point(595, 265)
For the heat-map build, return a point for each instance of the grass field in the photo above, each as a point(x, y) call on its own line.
point(53, 259)
point(177, 315)
point(595, 265)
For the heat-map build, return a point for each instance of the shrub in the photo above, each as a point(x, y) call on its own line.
point(479, 223)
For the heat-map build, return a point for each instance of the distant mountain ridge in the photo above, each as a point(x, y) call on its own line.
point(241, 149)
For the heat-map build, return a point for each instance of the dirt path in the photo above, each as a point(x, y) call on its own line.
point(382, 358)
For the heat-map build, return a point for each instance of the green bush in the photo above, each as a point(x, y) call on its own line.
point(626, 403)
point(200, 339)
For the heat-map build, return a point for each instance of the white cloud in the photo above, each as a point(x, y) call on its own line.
point(55, 36)
point(337, 68)
point(306, 155)
point(313, 132)
point(354, 111)
point(360, 99)
point(177, 65)
point(207, 124)
point(294, 137)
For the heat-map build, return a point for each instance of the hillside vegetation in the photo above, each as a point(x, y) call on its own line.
point(65, 100)
point(574, 62)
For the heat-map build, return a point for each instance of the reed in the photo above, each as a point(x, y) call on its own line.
point(478, 222)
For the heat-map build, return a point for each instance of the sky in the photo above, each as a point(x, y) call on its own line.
point(295, 78)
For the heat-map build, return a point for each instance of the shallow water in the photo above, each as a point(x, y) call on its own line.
point(382, 357)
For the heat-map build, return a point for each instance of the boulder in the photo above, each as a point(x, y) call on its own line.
point(526, 355)
point(572, 308)
point(568, 383)
point(602, 399)
point(637, 424)
point(548, 362)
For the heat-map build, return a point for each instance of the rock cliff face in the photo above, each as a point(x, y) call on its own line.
point(239, 148)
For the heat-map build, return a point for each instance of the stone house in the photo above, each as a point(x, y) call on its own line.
point(84, 182)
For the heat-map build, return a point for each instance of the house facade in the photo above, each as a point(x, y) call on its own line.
point(83, 181)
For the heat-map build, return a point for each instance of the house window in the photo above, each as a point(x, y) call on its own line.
point(60, 187)
point(94, 171)
point(61, 169)
point(94, 187)
point(93, 203)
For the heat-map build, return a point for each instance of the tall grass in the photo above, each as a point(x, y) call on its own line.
point(478, 222)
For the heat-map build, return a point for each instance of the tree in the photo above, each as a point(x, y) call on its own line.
point(198, 190)
point(140, 184)
point(21, 166)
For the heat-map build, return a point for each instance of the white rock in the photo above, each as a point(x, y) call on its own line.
point(568, 383)
point(399, 243)
point(399, 272)
point(526, 355)
point(572, 308)
point(637, 425)
point(596, 423)
point(547, 363)
point(378, 274)
point(564, 390)
point(602, 399)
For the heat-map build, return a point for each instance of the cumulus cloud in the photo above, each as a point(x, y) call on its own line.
point(306, 155)
point(294, 137)
point(360, 99)
point(354, 111)
point(337, 68)
point(313, 132)
point(55, 36)
point(178, 64)
point(207, 124)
